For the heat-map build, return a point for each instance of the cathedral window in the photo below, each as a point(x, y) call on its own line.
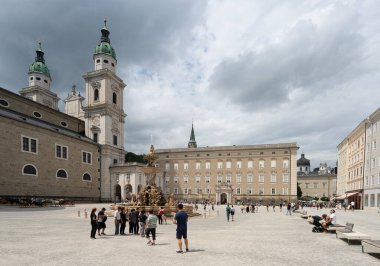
point(98, 61)
point(4, 103)
point(45, 81)
point(31, 78)
point(114, 98)
point(105, 61)
point(38, 78)
point(64, 124)
point(29, 144)
point(86, 177)
point(96, 137)
point(61, 151)
point(29, 170)
point(112, 64)
point(86, 157)
point(61, 173)
point(96, 95)
point(114, 140)
point(37, 114)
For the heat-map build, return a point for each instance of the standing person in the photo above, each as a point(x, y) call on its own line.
point(352, 205)
point(142, 220)
point(253, 208)
point(232, 212)
point(102, 218)
point(228, 212)
point(181, 218)
point(123, 221)
point(267, 207)
point(274, 207)
point(151, 225)
point(93, 223)
point(159, 215)
point(247, 208)
point(288, 209)
point(130, 221)
point(280, 207)
point(136, 224)
point(117, 220)
point(212, 206)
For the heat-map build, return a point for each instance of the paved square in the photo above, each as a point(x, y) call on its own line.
point(57, 236)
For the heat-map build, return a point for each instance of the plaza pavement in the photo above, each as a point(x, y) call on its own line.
point(57, 236)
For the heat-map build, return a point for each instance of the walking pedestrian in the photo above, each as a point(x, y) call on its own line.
point(288, 209)
point(232, 212)
point(181, 218)
point(93, 223)
point(247, 209)
point(228, 212)
point(142, 220)
point(151, 225)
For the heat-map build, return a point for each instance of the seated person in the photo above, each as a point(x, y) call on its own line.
point(317, 219)
point(330, 220)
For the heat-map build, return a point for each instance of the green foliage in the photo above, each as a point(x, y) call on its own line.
point(299, 191)
point(324, 198)
point(131, 157)
point(316, 198)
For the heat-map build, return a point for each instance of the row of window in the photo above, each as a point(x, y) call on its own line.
point(238, 191)
point(372, 180)
point(105, 61)
point(61, 152)
point(369, 200)
point(228, 165)
point(315, 185)
point(228, 179)
point(31, 170)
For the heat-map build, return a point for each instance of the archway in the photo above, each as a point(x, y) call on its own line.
point(117, 193)
point(223, 198)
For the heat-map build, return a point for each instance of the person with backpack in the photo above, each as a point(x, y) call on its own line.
point(228, 212)
point(232, 211)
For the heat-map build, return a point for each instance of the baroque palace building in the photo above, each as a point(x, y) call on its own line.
point(241, 173)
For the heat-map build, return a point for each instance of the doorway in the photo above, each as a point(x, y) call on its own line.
point(223, 198)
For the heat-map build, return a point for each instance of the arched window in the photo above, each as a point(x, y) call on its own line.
point(114, 98)
point(96, 95)
point(29, 170)
point(86, 177)
point(61, 173)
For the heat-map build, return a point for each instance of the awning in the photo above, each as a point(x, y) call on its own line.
point(344, 196)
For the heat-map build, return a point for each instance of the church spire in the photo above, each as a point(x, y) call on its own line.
point(192, 143)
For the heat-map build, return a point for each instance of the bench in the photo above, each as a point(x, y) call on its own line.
point(371, 246)
point(352, 236)
point(346, 228)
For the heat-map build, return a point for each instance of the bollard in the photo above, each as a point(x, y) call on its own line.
point(78, 213)
point(204, 215)
point(217, 212)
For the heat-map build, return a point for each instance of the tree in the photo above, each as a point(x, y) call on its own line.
point(131, 157)
point(324, 198)
point(299, 191)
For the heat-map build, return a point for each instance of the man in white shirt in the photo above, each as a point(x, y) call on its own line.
point(117, 220)
point(330, 220)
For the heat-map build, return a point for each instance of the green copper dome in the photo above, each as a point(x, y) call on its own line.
point(104, 47)
point(39, 63)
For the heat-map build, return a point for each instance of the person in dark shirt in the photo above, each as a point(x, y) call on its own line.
point(93, 223)
point(123, 218)
point(102, 221)
point(180, 219)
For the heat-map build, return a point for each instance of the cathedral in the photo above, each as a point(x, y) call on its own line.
point(78, 153)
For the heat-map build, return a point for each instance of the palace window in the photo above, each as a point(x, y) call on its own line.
point(207, 179)
point(197, 165)
point(284, 191)
point(167, 166)
point(238, 164)
point(261, 164)
point(175, 179)
point(273, 178)
point(238, 191)
point(186, 166)
point(285, 178)
point(261, 178)
point(29, 144)
point(273, 190)
point(219, 179)
point(250, 164)
point(249, 178)
point(185, 179)
point(228, 179)
point(228, 164)
point(176, 166)
point(286, 163)
point(220, 165)
point(197, 179)
point(167, 179)
point(249, 191)
point(208, 165)
point(273, 163)
point(238, 179)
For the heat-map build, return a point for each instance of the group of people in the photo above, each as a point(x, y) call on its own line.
point(321, 223)
point(141, 223)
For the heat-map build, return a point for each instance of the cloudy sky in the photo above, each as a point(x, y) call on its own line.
point(246, 72)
